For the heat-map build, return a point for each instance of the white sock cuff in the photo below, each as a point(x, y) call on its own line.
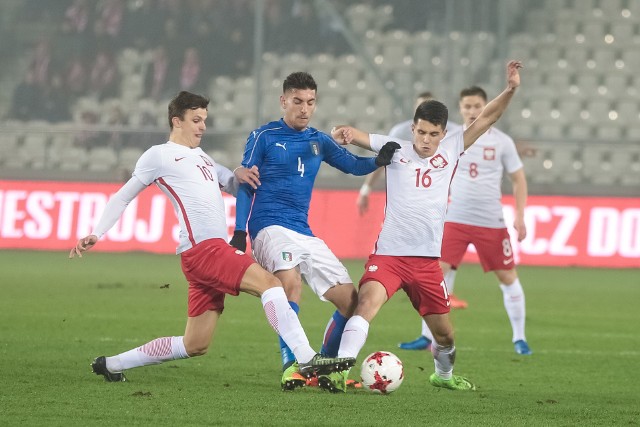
point(358, 322)
point(178, 350)
point(270, 294)
point(513, 289)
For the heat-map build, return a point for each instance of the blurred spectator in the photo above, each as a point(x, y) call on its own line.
point(108, 24)
point(143, 24)
point(76, 76)
point(156, 79)
point(77, 17)
point(303, 28)
point(55, 101)
point(41, 62)
point(190, 77)
point(104, 77)
point(24, 104)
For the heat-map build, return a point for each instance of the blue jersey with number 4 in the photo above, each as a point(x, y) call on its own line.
point(288, 161)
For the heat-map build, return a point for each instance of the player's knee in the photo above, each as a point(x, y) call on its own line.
point(344, 297)
point(444, 338)
point(196, 349)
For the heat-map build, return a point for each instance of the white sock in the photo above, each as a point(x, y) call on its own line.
point(514, 304)
point(285, 322)
point(443, 358)
point(426, 332)
point(154, 352)
point(354, 336)
point(450, 280)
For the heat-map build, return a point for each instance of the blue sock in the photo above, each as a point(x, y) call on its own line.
point(287, 355)
point(333, 334)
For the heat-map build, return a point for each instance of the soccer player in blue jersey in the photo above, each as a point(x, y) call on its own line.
point(288, 154)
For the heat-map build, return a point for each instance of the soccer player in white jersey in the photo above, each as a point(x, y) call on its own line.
point(408, 248)
point(403, 131)
point(289, 152)
point(192, 181)
point(475, 213)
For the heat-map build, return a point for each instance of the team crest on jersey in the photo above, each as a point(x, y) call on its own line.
point(287, 256)
point(438, 162)
point(372, 268)
point(489, 153)
point(315, 147)
point(206, 160)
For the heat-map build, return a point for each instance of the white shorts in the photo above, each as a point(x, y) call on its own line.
point(276, 248)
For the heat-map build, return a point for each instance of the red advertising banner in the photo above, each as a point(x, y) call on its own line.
point(562, 231)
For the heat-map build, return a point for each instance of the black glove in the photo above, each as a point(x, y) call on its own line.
point(239, 240)
point(386, 153)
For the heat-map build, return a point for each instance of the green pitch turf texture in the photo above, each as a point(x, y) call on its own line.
point(58, 314)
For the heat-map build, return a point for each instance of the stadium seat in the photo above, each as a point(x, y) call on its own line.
point(598, 110)
point(128, 156)
point(622, 30)
point(565, 25)
point(394, 47)
point(565, 164)
point(612, 132)
point(75, 159)
point(569, 108)
point(611, 8)
point(598, 168)
point(627, 109)
point(604, 58)
point(580, 131)
point(551, 130)
point(593, 30)
point(102, 159)
point(360, 17)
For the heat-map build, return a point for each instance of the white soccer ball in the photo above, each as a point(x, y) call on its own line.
point(381, 372)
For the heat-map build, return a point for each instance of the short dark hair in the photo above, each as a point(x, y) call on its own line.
point(474, 91)
point(299, 80)
point(435, 112)
point(185, 101)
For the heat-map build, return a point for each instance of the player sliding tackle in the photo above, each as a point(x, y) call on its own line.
point(192, 181)
point(408, 247)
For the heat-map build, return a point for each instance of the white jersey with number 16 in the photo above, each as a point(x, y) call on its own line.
point(417, 195)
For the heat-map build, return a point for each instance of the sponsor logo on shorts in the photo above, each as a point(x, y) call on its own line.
point(287, 256)
point(507, 261)
point(372, 268)
point(239, 252)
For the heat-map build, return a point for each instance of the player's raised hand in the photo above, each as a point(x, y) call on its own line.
point(386, 153)
point(249, 176)
point(513, 74)
point(83, 245)
point(342, 134)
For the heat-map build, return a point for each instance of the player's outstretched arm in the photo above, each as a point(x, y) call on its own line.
point(112, 212)
point(494, 109)
point(345, 135)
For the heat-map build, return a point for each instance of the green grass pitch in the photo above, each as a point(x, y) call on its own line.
point(57, 314)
